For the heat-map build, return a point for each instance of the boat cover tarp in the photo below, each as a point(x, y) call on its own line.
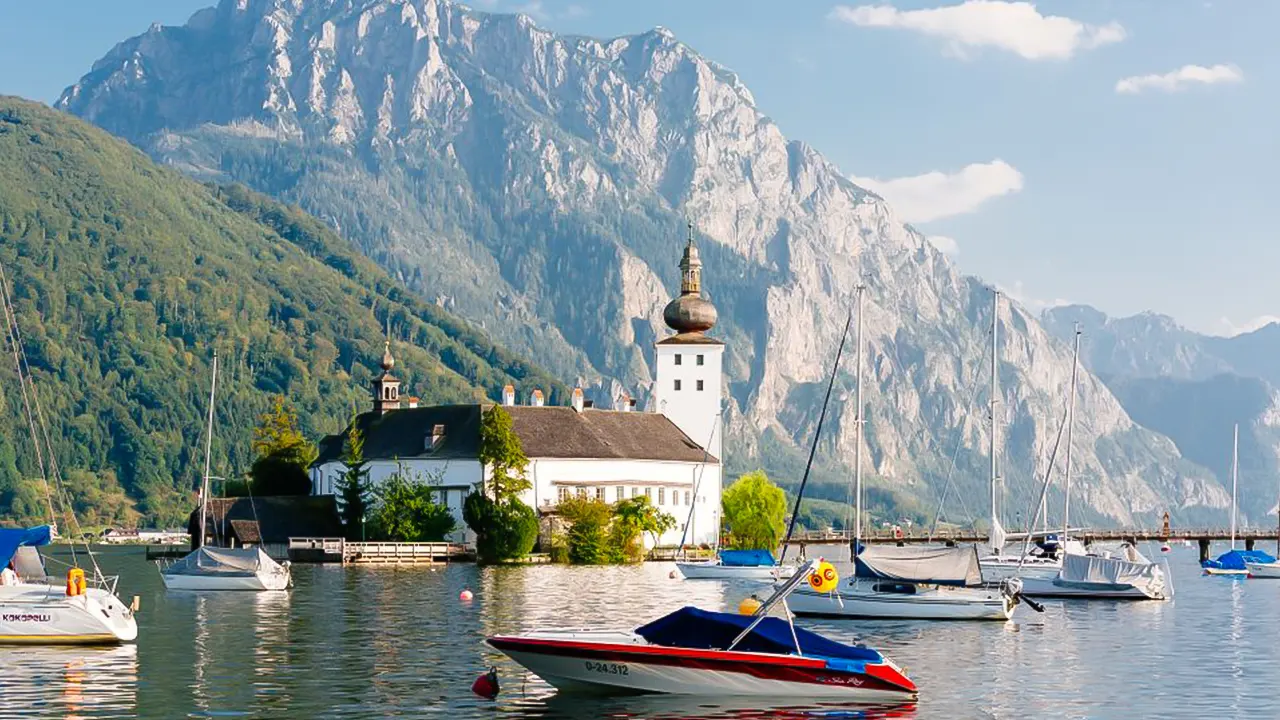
point(697, 629)
point(932, 565)
point(746, 558)
point(1088, 570)
point(1235, 559)
point(221, 561)
point(12, 539)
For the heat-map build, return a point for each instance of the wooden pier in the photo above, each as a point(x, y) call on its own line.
point(338, 550)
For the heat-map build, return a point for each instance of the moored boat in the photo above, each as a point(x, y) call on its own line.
point(1126, 575)
point(704, 653)
point(39, 610)
point(735, 565)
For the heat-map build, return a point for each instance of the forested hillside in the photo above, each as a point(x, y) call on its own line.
point(127, 276)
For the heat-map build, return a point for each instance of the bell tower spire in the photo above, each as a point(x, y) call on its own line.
point(386, 387)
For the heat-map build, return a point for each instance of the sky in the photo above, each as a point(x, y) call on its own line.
point(1118, 153)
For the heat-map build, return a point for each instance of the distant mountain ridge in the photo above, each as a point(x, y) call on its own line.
point(538, 184)
point(127, 276)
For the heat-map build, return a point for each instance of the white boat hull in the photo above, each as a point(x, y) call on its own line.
point(259, 582)
point(33, 614)
point(1264, 570)
point(996, 569)
point(861, 601)
point(1042, 588)
point(713, 570)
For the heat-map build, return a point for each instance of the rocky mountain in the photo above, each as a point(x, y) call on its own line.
point(126, 277)
point(539, 184)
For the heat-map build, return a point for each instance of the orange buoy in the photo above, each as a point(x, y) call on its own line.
point(465, 596)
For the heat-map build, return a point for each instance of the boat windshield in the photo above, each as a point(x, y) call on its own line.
point(697, 629)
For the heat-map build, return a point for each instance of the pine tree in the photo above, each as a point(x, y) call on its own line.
point(353, 486)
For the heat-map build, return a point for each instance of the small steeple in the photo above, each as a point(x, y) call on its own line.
point(690, 313)
point(386, 388)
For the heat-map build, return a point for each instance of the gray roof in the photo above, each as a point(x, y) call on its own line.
point(272, 519)
point(545, 432)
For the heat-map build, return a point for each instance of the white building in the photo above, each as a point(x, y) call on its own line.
point(670, 453)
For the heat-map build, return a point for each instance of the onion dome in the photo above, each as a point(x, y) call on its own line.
point(690, 313)
point(388, 361)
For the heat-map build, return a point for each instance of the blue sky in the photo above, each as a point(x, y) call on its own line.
point(1121, 153)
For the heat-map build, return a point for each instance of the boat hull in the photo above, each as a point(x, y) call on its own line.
point(256, 582)
point(45, 615)
point(712, 570)
point(621, 668)
point(861, 602)
point(1225, 571)
point(995, 570)
point(1042, 588)
point(1264, 570)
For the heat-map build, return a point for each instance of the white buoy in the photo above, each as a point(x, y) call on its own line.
point(465, 596)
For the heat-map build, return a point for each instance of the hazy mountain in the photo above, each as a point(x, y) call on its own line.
point(539, 184)
point(127, 276)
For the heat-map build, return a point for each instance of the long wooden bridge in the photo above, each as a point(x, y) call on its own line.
point(1203, 537)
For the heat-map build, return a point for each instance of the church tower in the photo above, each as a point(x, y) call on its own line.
point(689, 369)
point(386, 388)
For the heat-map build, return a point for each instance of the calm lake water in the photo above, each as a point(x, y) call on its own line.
point(365, 642)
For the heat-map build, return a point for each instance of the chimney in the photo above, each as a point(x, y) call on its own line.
point(435, 438)
point(413, 402)
point(577, 399)
point(508, 395)
point(536, 399)
point(624, 402)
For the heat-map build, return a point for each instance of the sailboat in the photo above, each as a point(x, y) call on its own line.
point(1233, 561)
point(927, 583)
point(1121, 573)
point(998, 566)
point(36, 609)
point(207, 568)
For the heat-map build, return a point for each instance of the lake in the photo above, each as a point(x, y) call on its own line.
point(361, 642)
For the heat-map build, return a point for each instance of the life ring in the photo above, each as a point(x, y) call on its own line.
point(75, 582)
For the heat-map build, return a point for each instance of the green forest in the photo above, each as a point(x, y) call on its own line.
point(126, 277)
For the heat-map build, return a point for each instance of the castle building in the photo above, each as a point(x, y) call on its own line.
point(670, 452)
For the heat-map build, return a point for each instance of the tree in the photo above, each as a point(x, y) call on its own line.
point(283, 453)
point(589, 531)
point(755, 511)
point(634, 517)
point(353, 486)
point(504, 530)
point(407, 511)
point(501, 453)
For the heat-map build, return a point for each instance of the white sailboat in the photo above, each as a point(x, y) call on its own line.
point(905, 583)
point(999, 565)
point(36, 609)
point(207, 568)
point(1120, 574)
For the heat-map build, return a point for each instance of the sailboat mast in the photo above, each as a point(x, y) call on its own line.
point(995, 402)
point(857, 453)
point(1235, 466)
point(1071, 422)
point(208, 448)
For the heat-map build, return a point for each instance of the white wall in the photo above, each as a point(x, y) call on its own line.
point(696, 412)
point(665, 481)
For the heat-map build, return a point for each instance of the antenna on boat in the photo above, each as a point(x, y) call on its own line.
point(795, 511)
point(1235, 466)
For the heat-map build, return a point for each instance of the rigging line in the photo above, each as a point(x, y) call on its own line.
point(817, 433)
point(54, 470)
point(706, 453)
point(1044, 491)
point(14, 342)
point(955, 454)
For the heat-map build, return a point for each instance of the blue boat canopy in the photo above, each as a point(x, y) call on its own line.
point(12, 539)
point(746, 558)
point(1235, 559)
point(696, 629)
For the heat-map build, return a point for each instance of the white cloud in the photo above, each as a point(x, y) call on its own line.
point(1017, 27)
point(534, 9)
point(1181, 78)
point(921, 198)
point(945, 245)
point(1230, 329)
point(1018, 293)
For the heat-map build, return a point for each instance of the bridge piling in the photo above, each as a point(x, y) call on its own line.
point(1248, 543)
point(1204, 549)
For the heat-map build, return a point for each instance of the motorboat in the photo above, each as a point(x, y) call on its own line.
point(715, 654)
point(736, 565)
point(913, 583)
point(210, 568)
point(217, 568)
point(1263, 569)
point(38, 610)
point(1103, 574)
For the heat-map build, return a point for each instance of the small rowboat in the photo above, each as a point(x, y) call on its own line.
point(714, 654)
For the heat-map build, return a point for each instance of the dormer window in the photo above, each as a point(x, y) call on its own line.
point(435, 439)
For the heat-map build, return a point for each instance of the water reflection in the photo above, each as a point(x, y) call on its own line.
point(70, 682)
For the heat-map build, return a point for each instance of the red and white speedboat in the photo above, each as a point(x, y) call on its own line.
point(698, 652)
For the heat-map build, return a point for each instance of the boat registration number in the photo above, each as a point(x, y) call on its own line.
point(606, 668)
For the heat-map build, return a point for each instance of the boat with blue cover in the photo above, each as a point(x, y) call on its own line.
point(701, 652)
point(1236, 562)
point(735, 565)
